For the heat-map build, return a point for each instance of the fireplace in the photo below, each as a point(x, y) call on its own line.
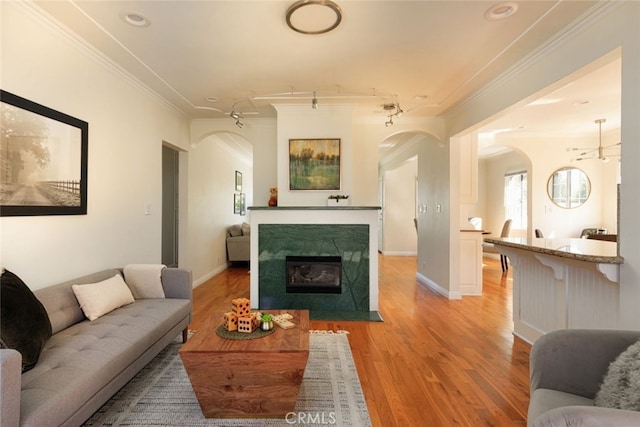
point(314, 274)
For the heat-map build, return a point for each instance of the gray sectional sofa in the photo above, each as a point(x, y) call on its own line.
point(86, 362)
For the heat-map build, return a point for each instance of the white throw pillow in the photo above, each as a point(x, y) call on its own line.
point(98, 299)
point(144, 280)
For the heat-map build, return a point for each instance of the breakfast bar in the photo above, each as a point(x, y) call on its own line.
point(562, 284)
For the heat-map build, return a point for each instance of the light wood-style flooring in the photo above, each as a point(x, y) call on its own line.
point(433, 361)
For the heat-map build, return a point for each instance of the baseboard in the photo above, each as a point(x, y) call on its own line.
point(202, 279)
point(439, 289)
point(399, 253)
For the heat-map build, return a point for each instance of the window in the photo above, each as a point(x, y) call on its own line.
point(515, 198)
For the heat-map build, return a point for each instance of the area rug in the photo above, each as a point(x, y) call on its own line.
point(161, 394)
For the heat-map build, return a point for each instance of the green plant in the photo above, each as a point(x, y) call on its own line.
point(267, 317)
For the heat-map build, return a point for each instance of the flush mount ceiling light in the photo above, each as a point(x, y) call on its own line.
point(314, 16)
point(501, 11)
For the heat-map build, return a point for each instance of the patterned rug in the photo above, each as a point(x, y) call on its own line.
point(161, 394)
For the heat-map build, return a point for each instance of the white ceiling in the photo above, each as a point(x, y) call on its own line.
point(237, 50)
point(427, 55)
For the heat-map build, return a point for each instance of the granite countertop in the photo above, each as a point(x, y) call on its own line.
point(587, 250)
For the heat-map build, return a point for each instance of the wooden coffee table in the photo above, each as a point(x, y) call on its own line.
point(257, 378)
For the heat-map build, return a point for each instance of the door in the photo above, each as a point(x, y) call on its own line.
point(170, 170)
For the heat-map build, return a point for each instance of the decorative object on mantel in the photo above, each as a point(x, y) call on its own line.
point(273, 198)
point(338, 200)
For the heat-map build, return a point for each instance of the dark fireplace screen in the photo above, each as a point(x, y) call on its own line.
point(314, 274)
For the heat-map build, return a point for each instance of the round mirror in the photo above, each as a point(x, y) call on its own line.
point(569, 187)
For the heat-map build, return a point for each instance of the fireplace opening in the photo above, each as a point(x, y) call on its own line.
point(314, 274)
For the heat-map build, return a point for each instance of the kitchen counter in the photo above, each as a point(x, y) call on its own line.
point(587, 250)
point(562, 284)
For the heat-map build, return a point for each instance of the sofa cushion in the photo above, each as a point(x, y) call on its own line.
point(235, 230)
point(144, 280)
point(25, 323)
point(98, 299)
point(246, 229)
point(620, 388)
point(61, 303)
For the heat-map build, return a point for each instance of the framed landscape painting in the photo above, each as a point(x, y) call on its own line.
point(314, 164)
point(43, 160)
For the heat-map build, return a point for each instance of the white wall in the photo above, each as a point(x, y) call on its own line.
point(541, 157)
point(126, 124)
point(616, 27)
point(214, 162)
point(399, 210)
point(492, 192)
point(302, 122)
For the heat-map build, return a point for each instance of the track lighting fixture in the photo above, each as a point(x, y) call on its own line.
point(397, 113)
point(237, 118)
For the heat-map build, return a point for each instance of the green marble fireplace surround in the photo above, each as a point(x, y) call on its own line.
point(348, 232)
point(349, 241)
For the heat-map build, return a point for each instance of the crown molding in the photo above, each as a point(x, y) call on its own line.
point(92, 53)
point(581, 23)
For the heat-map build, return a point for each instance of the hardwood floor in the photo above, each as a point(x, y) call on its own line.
point(433, 361)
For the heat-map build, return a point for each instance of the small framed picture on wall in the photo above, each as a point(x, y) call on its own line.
point(238, 181)
point(239, 207)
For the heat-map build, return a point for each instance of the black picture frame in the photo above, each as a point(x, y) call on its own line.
point(238, 181)
point(239, 207)
point(43, 159)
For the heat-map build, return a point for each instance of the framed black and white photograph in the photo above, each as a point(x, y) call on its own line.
point(43, 160)
point(238, 181)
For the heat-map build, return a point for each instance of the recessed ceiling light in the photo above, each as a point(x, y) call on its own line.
point(135, 19)
point(313, 16)
point(501, 11)
point(211, 99)
point(420, 97)
point(581, 102)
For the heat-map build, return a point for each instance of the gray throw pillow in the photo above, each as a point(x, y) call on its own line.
point(620, 388)
point(25, 322)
